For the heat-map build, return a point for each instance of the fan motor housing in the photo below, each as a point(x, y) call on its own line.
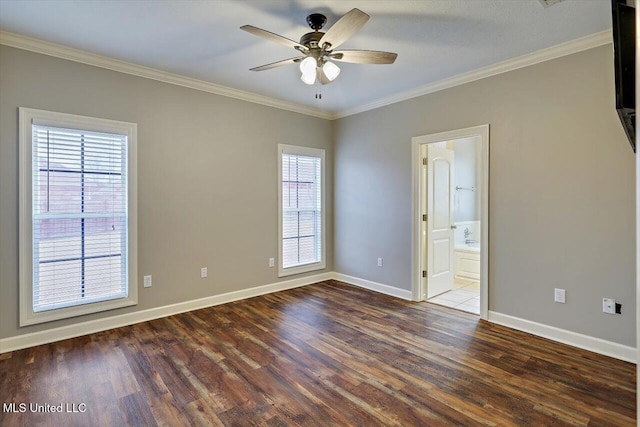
point(311, 39)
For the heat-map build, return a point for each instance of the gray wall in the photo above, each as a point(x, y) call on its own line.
point(561, 192)
point(561, 208)
point(207, 183)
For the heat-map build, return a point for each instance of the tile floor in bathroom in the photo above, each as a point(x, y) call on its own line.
point(464, 296)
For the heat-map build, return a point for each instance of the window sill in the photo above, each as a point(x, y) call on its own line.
point(283, 272)
point(29, 317)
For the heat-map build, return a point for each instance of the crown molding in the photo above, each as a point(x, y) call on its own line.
point(573, 46)
point(77, 55)
point(84, 57)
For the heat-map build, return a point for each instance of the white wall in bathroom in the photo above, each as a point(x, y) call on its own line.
point(474, 230)
point(467, 174)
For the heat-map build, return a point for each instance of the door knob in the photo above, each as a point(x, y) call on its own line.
point(453, 227)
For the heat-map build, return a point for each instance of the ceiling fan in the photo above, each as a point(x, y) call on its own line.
point(317, 48)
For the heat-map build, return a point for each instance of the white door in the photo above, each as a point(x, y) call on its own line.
point(440, 242)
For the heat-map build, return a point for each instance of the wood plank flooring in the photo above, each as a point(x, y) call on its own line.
point(326, 354)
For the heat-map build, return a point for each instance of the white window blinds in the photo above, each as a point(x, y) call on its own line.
point(301, 210)
point(79, 203)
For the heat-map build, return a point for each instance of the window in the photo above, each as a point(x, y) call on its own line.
point(77, 215)
point(300, 209)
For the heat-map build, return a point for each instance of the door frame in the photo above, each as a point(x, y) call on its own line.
point(418, 191)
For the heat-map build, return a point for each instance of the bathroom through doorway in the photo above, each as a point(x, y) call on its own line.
point(451, 203)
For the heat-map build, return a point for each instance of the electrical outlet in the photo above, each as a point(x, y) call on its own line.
point(203, 272)
point(559, 295)
point(272, 262)
point(147, 281)
point(609, 305)
point(379, 262)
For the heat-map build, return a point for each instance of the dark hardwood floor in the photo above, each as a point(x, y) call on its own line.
point(325, 354)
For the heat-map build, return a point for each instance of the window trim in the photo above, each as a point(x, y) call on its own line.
point(302, 151)
point(27, 116)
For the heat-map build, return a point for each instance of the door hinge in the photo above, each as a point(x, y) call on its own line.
point(425, 217)
point(425, 161)
point(424, 273)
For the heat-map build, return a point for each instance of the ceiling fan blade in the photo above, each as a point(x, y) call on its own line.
point(364, 56)
point(346, 26)
point(278, 64)
point(272, 36)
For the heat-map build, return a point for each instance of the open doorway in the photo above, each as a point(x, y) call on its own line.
point(450, 232)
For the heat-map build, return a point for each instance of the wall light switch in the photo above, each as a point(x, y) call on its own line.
point(559, 295)
point(272, 262)
point(147, 281)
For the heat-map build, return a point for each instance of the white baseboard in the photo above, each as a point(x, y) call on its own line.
point(586, 342)
point(92, 326)
point(374, 286)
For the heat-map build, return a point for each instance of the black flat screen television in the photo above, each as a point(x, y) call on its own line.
point(624, 56)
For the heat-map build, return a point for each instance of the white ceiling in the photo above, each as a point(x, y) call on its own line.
point(434, 39)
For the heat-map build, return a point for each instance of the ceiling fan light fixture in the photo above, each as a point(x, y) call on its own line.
point(308, 65)
point(330, 70)
point(308, 69)
point(308, 78)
